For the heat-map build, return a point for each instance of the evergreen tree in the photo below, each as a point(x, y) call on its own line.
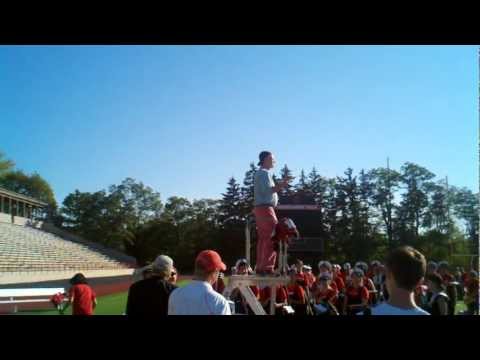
point(329, 219)
point(286, 194)
point(415, 199)
point(247, 190)
point(318, 186)
point(230, 205)
point(303, 191)
point(385, 183)
point(466, 208)
point(436, 216)
point(5, 165)
point(302, 184)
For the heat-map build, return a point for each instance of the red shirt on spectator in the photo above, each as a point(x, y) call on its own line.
point(310, 279)
point(302, 278)
point(83, 299)
point(281, 297)
point(328, 294)
point(255, 290)
point(356, 295)
point(296, 292)
point(339, 283)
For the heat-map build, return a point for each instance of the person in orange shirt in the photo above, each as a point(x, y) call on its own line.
point(281, 299)
point(296, 296)
point(326, 297)
point(338, 284)
point(337, 278)
point(309, 275)
point(356, 295)
point(368, 283)
point(324, 291)
point(241, 306)
point(346, 272)
point(81, 296)
point(300, 275)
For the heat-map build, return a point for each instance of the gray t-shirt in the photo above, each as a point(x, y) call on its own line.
point(263, 193)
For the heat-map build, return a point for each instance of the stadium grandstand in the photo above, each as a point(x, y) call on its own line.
point(36, 254)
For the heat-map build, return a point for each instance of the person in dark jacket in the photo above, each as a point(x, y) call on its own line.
point(439, 302)
point(149, 297)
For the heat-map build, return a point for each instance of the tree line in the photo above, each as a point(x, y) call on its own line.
point(361, 215)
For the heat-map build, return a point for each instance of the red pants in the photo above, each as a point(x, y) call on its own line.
point(266, 221)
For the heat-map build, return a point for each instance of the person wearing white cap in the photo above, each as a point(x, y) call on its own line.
point(198, 297)
point(309, 275)
point(149, 297)
point(241, 306)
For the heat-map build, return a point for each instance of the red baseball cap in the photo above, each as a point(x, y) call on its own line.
point(210, 260)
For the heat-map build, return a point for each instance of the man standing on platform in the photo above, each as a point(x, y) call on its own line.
point(265, 201)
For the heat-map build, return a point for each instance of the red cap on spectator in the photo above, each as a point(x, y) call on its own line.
point(210, 260)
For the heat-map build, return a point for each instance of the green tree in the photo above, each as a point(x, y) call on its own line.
point(5, 164)
point(247, 190)
point(303, 193)
point(285, 172)
point(415, 199)
point(31, 185)
point(149, 240)
point(385, 183)
point(139, 203)
point(357, 235)
point(83, 214)
point(111, 218)
point(437, 214)
point(230, 204)
point(318, 186)
point(466, 208)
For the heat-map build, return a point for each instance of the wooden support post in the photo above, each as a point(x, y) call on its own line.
point(244, 281)
point(273, 298)
point(247, 241)
point(252, 300)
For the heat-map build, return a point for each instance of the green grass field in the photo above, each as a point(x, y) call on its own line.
point(115, 305)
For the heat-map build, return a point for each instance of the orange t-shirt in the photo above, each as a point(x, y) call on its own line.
point(296, 292)
point(339, 283)
point(302, 279)
point(281, 297)
point(328, 294)
point(310, 279)
point(356, 295)
point(83, 298)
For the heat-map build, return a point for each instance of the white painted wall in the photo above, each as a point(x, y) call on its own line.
point(20, 220)
point(6, 218)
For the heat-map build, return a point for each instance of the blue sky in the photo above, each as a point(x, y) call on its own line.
point(183, 119)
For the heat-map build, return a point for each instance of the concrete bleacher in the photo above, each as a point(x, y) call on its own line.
point(27, 249)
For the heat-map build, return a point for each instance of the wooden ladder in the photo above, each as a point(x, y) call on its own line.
point(243, 283)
